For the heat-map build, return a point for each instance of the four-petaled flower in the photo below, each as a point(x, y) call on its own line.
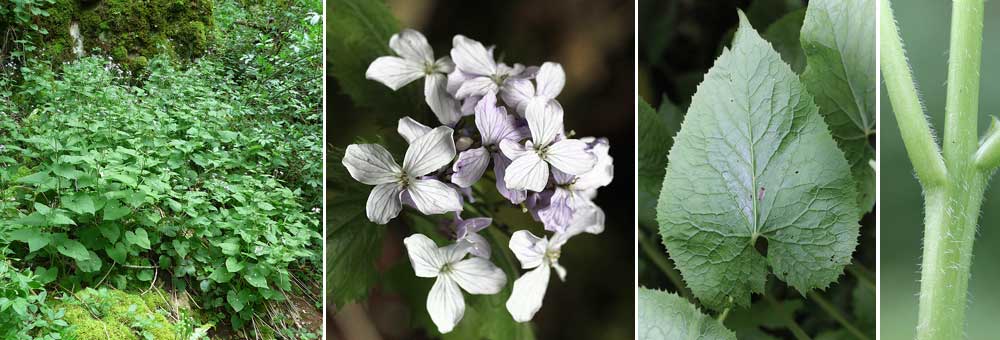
point(415, 61)
point(520, 92)
point(572, 195)
point(540, 255)
point(529, 168)
point(476, 73)
point(373, 165)
point(494, 125)
point(475, 275)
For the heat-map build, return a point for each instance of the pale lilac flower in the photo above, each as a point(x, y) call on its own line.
point(541, 255)
point(477, 73)
point(575, 193)
point(529, 168)
point(494, 125)
point(373, 165)
point(415, 61)
point(445, 302)
point(519, 92)
point(467, 232)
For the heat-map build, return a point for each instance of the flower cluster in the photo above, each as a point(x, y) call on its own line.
point(535, 164)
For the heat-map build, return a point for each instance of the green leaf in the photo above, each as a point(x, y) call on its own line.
point(91, 264)
point(655, 139)
point(139, 238)
point(664, 315)
point(220, 275)
point(73, 249)
point(80, 203)
point(117, 252)
point(838, 38)
point(256, 276)
point(230, 247)
point(66, 171)
point(784, 36)
point(38, 178)
point(114, 210)
point(238, 300)
point(358, 32)
point(234, 265)
point(58, 218)
point(33, 237)
point(753, 162)
point(45, 275)
point(353, 244)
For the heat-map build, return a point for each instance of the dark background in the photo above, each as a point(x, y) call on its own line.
point(924, 26)
point(679, 41)
point(594, 41)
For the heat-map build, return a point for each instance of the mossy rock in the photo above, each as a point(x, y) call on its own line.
point(130, 31)
point(120, 315)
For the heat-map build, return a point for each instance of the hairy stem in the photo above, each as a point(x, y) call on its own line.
point(913, 126)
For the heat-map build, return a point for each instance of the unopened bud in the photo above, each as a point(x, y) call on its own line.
point(463, 143)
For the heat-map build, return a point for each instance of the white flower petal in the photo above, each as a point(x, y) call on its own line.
point(371, 164)
point(500, 164)
point(383, 203)
point(470, 166)
point(528, 248)
point(454, 252)
point(444, 65)
point(432, 197)
point(430, 152)
point(478, 245)
point(529, 290)
point(587, 218)
point(478, 86)
point(411, 129)
point(471, 56)
point(478, 276)
point(445, 304)
point(545, 119)
point(394, 72)
point(411, 45)
point(550, 78)
point(516, 92)
point(513, 149)
point(570, 156)
point(455, 80)
point(528, 172)
point(604, 168)
point(444, 106)
point(424, 255)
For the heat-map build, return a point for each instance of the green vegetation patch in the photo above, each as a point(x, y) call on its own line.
point(115, 314)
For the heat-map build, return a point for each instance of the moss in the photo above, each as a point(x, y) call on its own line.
point(120, 315)
point(130, 31)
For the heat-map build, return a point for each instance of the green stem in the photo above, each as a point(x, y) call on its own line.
point(723, 315)
point(661, 261)
point(793, 326)
point(913, 126)
point(837, 315)
point(953, 211)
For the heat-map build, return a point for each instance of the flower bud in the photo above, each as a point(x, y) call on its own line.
point(463, 143)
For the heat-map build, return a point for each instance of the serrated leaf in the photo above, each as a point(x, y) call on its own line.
point(838, 38)
point(33, 237)
point(38, 178)
point(237, 300)
point(234, 265)
point(655, 139)
point(73, 249)
point(784, 36)
point(664, 315)
point(91, 264)
point(230, 247)
point(755, 161)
